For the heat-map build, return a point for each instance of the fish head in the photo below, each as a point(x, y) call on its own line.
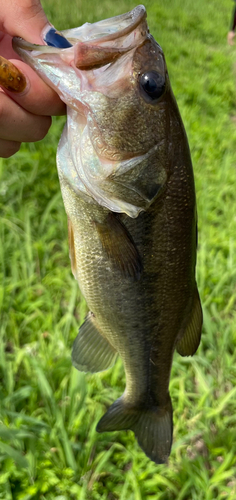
point(113, 77)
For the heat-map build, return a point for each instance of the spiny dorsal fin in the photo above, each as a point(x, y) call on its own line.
point(91, 351)
point(118, 244)
point(190, 340)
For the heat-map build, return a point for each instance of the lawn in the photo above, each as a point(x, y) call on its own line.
point(49, 449)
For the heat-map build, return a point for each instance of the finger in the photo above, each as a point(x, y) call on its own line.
point(10, 77)
point(8, 148)
point(26, 19)
point(25, 87)
point(6, 47)
point(17, 124)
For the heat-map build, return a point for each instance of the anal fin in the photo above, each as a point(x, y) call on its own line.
point(91, 351)
point(190, 340)
point(119, 246)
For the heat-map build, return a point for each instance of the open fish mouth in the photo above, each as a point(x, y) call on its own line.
point(92, 68)
point(93, 45)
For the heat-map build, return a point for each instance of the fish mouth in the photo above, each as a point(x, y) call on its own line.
point(96, 63)
point(94, 45)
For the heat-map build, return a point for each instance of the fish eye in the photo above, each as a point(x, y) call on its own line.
point(152, 86)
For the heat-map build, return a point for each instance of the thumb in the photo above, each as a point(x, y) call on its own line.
point(24, 18)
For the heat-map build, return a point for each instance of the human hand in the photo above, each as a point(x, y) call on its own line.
point(25, 114)
point(230, 37)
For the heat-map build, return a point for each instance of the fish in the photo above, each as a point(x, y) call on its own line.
point(127, 184)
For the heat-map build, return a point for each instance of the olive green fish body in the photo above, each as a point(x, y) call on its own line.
point(128, 189)
point(142, 319)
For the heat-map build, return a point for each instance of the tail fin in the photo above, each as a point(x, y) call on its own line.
point(152, 426)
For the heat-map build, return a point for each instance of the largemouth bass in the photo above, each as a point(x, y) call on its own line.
point(127, 183)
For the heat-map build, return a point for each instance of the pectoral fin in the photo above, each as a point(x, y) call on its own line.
point(140, 180)
point(72, 247)
point(91, 351)
point(119, 246)
point(190, 340)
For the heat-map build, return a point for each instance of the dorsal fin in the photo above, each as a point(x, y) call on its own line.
point(190, 340)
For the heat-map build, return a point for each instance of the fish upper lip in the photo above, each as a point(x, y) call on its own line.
point(137, 15)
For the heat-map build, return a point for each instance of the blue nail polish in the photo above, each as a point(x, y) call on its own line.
point(55, 39)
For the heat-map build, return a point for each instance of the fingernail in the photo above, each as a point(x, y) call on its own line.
point(55, 39)
point(10, 77)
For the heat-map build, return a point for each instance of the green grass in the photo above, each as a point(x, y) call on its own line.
point(49, 449)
